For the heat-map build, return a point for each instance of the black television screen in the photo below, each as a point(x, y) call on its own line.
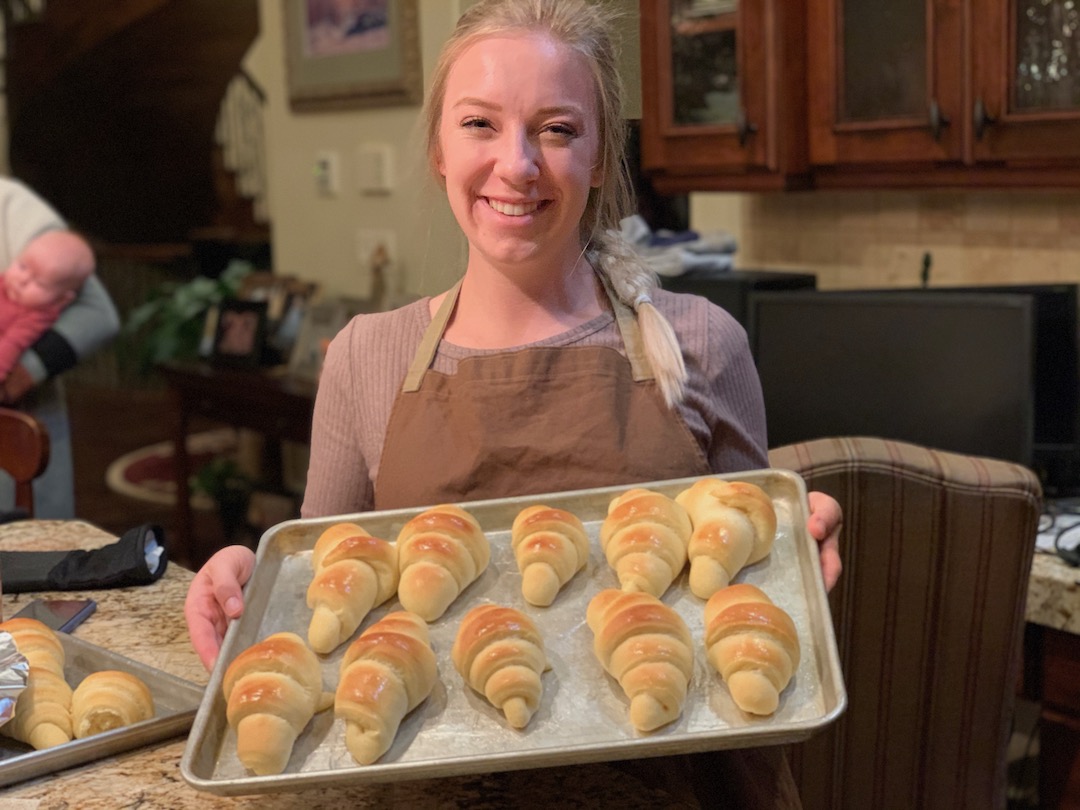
point(954, 372)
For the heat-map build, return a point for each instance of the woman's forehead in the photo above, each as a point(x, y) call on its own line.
point(530, 66)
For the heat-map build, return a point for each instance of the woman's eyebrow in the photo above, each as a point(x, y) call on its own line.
point(562, 109)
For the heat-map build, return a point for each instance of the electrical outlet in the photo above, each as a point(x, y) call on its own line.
point(374, 168)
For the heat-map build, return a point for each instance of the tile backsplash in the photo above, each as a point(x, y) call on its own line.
point(854, 239)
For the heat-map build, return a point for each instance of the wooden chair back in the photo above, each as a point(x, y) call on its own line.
point(24, 453)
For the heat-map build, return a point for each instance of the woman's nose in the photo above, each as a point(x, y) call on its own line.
point(519, 158)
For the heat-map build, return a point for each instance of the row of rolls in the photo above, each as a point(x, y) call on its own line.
point(274, 688)
point(48, 712)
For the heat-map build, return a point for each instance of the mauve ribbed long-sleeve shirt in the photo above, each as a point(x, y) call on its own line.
point(367, 362)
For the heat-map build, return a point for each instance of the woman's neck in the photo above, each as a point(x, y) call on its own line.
point(497, 309)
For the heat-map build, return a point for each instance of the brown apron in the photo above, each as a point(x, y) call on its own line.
point(542, 420)
point(530, 421)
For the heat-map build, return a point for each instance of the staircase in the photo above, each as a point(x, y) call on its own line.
point(116, 116)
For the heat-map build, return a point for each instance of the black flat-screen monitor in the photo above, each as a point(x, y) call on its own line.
point(953, 372)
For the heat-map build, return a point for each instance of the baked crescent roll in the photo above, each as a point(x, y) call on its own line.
point(644, 538)
point(550, 546)
point(385, 674)
point(109, 699)
point(354, 572)
point(734, 526)
point(42, 716)
point(272, 690)
point(440, 553)
point(646, 646)
point(499, 653)
point(753, 644)
point(37, 643)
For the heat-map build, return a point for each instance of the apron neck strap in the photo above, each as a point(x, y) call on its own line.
point(425, 352)
point(630, 331)
point(625, 319)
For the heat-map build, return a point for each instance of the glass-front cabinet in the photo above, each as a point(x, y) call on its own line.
point(721, 92)
point(1025, 79)
point(944, 82)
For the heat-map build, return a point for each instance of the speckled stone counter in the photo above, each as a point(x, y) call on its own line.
point(146, 624)
point(1054, 594)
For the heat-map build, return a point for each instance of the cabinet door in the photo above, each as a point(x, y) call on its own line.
point(1026, 79)
point(720, 92)
point(885, 81)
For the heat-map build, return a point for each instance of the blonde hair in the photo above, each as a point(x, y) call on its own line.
point(585, 27)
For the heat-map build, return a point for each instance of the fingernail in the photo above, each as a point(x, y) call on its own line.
point(232, 606)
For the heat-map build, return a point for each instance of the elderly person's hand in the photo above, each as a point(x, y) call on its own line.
point(824, 525)
point(215, 598)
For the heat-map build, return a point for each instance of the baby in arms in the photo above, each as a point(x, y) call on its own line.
point(42, 280)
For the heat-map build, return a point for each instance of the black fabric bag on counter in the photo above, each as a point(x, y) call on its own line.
point(139, 557)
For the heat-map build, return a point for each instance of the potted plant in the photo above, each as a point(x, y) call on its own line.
point(170, 324)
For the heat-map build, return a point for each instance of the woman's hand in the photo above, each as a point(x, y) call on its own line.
point(215, 598)
point(824, 523)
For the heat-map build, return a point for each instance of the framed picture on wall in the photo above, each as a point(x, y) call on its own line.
point(360, 54)
point(239, 333)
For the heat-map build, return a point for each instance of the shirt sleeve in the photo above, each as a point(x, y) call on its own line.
point(337, 479)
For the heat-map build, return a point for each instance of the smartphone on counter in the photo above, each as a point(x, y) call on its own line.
point(62, 615)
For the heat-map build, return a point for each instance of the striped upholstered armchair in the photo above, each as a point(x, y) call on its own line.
point(929, 616)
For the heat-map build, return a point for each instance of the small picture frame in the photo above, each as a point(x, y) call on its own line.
point(322, 321)
point(240, 333)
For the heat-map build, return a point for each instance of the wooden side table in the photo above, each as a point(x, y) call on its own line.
point(274, 404)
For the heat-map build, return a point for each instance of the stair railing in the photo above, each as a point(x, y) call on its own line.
point(241, 138)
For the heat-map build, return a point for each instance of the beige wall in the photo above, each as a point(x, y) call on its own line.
point(315, 236)
point(864, 239)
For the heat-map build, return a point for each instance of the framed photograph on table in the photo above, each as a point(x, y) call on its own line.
point(351, 55)
point(322, 320)
point(239, 333)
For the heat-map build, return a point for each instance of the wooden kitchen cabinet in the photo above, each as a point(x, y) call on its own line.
point(723, 87)
point(944, 92)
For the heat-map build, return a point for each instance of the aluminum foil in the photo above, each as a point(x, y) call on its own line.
point(14, 670)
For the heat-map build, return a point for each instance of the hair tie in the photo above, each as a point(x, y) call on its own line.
point(643, 298)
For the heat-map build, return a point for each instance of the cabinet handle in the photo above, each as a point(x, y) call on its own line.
point(938, 121)
point(744, 128)
point(981, 119)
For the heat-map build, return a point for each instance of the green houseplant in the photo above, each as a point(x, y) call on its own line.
point(169, 325)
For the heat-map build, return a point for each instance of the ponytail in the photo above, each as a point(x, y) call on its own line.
point(633, 281)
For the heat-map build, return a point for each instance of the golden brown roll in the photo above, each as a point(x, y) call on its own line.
point(109, 699)
point(37, 642)
point(354, 572)
point(42, 716)
point(550, 546)
point(272, 690)
point(440, 553)
point(385, 674)
point(499, 653)
point(734, 526)
point(753, 644)
point(644, 538)
point(646, 646)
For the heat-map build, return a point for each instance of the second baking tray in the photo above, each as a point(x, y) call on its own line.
point(175, 702)
point(583, 715)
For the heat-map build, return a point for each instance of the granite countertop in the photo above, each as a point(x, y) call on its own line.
point(147, 625)
point(1054, 594)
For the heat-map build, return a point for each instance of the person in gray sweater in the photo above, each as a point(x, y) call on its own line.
point(87, 324)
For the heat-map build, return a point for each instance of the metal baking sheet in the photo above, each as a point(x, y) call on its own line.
point(175, 704)
point(583, 715)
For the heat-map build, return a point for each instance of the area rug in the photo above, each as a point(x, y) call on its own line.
point(147, 473)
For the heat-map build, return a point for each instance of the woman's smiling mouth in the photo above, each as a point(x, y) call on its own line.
point(513, 209)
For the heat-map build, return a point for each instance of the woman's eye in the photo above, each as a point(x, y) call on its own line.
point(475, 123)
point(562, 130)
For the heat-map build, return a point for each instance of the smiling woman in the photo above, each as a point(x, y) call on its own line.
point(555, 363)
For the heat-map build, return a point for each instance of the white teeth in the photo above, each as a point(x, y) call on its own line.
point(513, 210)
